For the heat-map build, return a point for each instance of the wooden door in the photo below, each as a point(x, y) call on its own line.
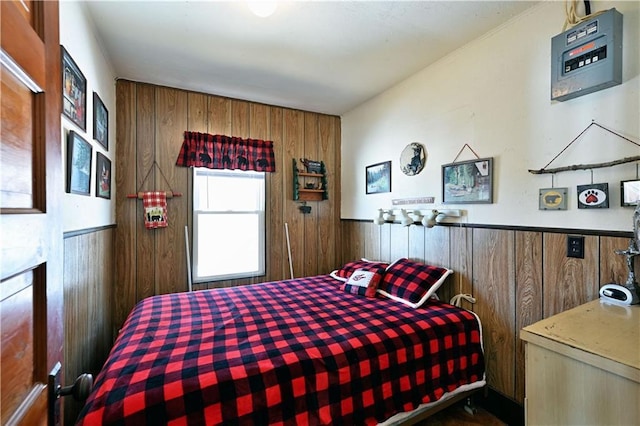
point(31, 310)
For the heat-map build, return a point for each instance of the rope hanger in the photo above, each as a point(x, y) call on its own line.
point(466, 145)
point(140, 195)
point(544, 170)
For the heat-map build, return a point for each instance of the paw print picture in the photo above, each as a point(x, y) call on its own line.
point(594, 196)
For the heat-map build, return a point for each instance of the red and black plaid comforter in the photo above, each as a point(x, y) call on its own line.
point(290, 352)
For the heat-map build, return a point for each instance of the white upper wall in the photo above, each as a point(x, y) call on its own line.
point(494, 94)
point(78, 38)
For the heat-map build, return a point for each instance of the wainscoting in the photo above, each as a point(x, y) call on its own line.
point(88, 284)
point(151, 121)
point(517, 275)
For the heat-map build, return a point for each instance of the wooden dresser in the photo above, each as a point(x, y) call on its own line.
point(583, 367)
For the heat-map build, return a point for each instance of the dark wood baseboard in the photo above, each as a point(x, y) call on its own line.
point(500, 406)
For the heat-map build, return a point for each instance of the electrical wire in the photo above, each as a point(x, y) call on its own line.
point(572, 18)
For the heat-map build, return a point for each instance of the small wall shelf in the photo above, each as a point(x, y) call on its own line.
point(309, 186)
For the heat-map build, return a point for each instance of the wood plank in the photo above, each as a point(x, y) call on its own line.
point(126, 260)
point(613, 267)
point(311, 221)
point(293, 133)
point(170, 264)
point(437, 252)
point(277, 260)
point(259, 128)
point(568, 282)
point(328, 210)
point(399, 242)
point(494, 289)
point(528, 283)
point(416, 246)
point(371, 236)
point(197, 121)
point(145, 180)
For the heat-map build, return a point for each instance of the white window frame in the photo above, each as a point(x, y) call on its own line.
point(197, 278)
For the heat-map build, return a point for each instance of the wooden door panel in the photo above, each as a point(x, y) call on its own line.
point(30, 187)
point(16, 316)
point(20, 39)
point(16, 158)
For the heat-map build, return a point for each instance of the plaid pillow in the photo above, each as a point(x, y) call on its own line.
point(349, 268)
point(363, 283)
point(412, 283)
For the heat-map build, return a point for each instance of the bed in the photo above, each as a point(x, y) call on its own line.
point(302, 351)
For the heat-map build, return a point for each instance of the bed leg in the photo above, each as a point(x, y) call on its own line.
point(470, 407)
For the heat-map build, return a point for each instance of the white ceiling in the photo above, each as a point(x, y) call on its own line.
point(321, 56)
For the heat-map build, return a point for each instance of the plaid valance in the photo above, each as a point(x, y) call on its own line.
point(226, 152)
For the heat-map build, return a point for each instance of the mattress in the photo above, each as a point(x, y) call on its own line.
point(290, 352)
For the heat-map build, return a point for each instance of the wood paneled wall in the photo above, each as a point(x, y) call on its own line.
point(88, 282)
point(150, 122)
point(518, 277)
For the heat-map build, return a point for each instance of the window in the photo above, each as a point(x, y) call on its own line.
point(228, 224)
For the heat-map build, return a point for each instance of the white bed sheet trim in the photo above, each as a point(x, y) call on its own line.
point(401, 417)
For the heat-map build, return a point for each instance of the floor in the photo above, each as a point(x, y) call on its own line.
point(456, 416)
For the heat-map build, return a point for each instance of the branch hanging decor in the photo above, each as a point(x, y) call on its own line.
point(545, 170)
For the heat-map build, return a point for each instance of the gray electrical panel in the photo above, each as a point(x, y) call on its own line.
point(588, 57)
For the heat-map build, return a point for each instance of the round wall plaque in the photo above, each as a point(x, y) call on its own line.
point(413, 159)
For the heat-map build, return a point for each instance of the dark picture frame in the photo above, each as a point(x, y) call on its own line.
point(468, 182)
point(74, 91)
point(100, 122)
point(629, 192)
point(79, 156)
point(103, 176)
point(378, 178)
point(593, 196)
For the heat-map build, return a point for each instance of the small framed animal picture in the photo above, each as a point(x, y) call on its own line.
point(593, 196)
point(552, 199)
point(103, 176)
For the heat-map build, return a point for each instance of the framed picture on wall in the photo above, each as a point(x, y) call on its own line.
point(100, 122)
point(74, 91)
point(378, 178)
point(79, 153)
point(468, 182)
point(103, 176)
point(629, 192)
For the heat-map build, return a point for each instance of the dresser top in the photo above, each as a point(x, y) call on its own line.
point(603, 329)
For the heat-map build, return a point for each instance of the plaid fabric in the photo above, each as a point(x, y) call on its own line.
point(154, 204)
point(289, 353)
point(413, 282)
point(363, 265)
point(226, 152)
point(362, 283)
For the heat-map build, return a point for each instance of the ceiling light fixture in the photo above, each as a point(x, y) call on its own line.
point(262, 9)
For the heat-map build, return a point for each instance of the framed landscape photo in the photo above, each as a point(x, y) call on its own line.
point(100, 122)
point(468, 182)
point(79, 153)
point(103, 176)
point(74, 91)
point(378, 178)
